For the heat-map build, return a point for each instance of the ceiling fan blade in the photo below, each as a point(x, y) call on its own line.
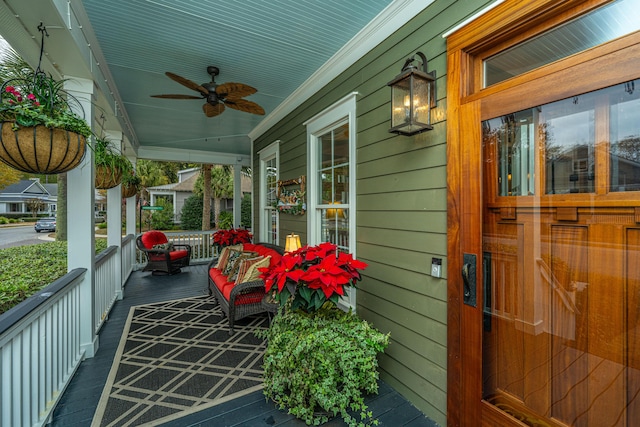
point(186, 82)
point(177, 96)
point(244, 105)
point(234, 90)
point(212, 110)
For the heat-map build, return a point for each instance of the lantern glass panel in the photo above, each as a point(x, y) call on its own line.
point(421, 101)
point(400, 102)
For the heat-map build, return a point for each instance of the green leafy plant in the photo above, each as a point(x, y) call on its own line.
point(130, 178)
point(112, 164)
point(24, 270)
point(162, 219)
point(225, 220)
point(321, 364)
point(191, 214)
point(38, 99)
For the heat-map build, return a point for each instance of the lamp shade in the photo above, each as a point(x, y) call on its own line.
point(292, 243)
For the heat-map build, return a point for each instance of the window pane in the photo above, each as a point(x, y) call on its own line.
point(341, 145)
point(342, 184)
point(514, 135)
point(326, 150)
point(334, 227)
point(607, 23)
point(568, 130)
point(625, 137)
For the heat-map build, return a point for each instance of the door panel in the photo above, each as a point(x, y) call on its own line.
point(562, 285)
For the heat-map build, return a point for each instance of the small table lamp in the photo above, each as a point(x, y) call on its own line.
point(293, 243)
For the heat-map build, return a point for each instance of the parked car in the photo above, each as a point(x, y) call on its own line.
point(45, 224)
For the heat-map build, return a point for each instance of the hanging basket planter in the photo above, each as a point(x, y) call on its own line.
point(39, 149)
point(107, 177)
point(129, 190)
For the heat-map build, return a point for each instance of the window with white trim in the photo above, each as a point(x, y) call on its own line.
point(269, 158)
point(331, 178)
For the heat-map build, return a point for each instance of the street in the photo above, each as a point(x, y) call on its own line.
point(20, 235)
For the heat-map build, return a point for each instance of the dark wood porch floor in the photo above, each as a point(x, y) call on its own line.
point(80, 399)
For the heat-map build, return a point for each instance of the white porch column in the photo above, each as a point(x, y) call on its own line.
point(131, 208)
point(114, 211)
point(237, 195)
point(81, 221)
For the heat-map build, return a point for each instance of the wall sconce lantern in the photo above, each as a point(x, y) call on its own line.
point(413, 95)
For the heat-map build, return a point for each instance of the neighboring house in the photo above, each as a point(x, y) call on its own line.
point(14, 198)
point(176, 193)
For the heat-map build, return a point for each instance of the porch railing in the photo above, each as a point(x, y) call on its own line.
point(40, 351)
point(40, 338)
point(107, 285)
point(128, 256)
point(202, 250)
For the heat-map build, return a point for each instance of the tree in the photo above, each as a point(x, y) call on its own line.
point(151, 174)
point(206, 197)
point(34, 206)
point(61, 211)
point(221, 188)
point(8, 175)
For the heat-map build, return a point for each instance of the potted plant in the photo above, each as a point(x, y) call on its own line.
point(320, 360)
point(39, 132)
point(130, 183)
point(234, 236)
point(110, 164)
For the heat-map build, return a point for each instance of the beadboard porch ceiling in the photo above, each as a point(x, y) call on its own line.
point(284, 48)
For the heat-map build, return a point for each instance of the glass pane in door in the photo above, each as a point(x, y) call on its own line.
point(561, 262)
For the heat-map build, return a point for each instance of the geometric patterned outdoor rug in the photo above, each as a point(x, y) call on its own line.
point(177, 357)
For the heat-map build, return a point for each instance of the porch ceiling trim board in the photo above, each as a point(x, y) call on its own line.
point(193, 156)
point(380, 28)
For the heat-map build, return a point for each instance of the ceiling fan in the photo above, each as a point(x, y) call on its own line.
point(217, 95)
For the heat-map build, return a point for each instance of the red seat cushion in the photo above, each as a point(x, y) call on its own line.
point(174, 255)
point(261, 250)
point(151, 238)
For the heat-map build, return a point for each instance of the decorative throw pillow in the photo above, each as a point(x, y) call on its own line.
point(164, 246)
point(242, 264)
point(224, 255)
point(248, 271)
point(231, 269)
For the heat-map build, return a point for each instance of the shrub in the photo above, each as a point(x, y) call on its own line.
point(4, 220)
point(24, 270)
point(322, 362)
point(245, 211)
point(225, 220)
point(162, 220)
point(191, 214)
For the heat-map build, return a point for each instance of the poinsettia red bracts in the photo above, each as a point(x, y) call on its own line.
point(318, 268)
point(231, 237)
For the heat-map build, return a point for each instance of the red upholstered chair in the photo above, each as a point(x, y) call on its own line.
point(163, 257)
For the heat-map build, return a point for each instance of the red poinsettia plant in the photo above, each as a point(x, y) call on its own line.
point(231, 237)
point(311, 276)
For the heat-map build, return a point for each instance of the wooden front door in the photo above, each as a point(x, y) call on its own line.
point(544, 268)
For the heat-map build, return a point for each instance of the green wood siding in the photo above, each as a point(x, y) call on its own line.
point(401, 189)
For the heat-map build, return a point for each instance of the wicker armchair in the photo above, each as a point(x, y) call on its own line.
point(160, 260)
point(244, 299)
